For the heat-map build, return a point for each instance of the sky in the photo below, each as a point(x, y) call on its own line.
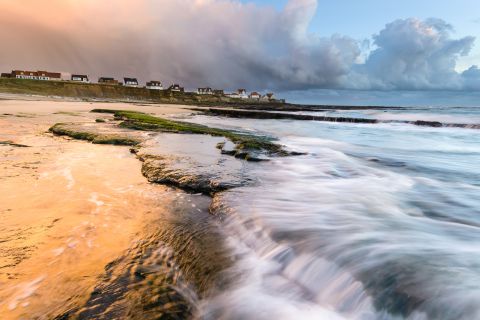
point(362, 19)
point(307, 50)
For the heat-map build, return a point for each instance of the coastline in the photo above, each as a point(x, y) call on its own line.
point(220, 228)
point(74, 214)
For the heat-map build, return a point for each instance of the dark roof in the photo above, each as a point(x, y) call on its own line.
point(130, 80)
point(105, 79)
point(49, 74)
point(37, 73)
point(176, 86)
point(79, 76)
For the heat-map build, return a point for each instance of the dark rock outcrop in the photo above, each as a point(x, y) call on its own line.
point(13, 144)
point(233, 113)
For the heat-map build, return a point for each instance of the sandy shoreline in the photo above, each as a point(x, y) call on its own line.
point(68, 208)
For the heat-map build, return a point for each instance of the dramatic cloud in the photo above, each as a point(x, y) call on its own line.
point(414, 54)
point(224, 44)
point(197, 42)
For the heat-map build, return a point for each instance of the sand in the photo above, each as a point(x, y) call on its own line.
point(67, 208)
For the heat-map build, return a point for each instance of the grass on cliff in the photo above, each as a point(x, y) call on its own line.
point(142, 121)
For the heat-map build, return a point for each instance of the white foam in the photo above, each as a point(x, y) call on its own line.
point(58, 251)
point(25, 291)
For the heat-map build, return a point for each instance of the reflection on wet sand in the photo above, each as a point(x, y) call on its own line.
point(78, 219)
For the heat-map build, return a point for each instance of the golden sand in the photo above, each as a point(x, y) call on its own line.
point(67, 208)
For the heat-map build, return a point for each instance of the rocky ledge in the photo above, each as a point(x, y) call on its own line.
point(249, 114)
point(179, 154)
point(277, 115)
point(94, 134)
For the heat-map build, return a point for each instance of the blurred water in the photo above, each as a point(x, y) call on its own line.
point(376, 222)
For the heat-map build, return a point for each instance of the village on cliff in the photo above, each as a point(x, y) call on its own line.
point(133, 82)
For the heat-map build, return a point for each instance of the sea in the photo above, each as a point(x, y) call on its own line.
point(374, 221)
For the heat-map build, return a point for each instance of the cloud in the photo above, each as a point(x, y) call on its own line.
point(197, 42)
point(225, 44)
point(414, 55)
point(471, 78)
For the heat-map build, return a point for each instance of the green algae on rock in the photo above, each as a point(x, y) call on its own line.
point(81, 133)
point(245, 144)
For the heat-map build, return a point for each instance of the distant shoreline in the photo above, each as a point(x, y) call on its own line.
point(94, 92)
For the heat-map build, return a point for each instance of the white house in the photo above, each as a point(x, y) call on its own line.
point(242, 93)
point(255, 95)
point(268, 97)
point(130, 82)
point(233, 95)
point(203, 91)
point(176, 88)
point(154, 85)
point(80, 78)
point(36, 75)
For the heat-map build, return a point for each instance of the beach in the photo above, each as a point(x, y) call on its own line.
point(68, 208)
point(116, 210)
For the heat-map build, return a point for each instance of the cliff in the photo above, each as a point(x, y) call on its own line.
point(108, 92)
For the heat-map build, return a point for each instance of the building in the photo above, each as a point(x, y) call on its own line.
point(176, 88)
point(219, 92)
point(255, 95)
point(79, 78)
point(130, 82)
point(5, 75)
point(268, 97)
point(205, 91)
point(234, 95)
point(154, 85)
point(108, 80)
point(36, 75)
point(242, 93)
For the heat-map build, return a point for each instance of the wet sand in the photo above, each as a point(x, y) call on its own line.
point(67, 208)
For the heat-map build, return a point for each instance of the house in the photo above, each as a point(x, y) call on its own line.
point(242, 93)
point(36, 75)
point(255, 95)
point(46, 75)
point(219, 92)
point(130, 82)
point(108, 80)
point(154, 85)
point(176, 88)
point(205, 91)
point(19, 74)
point(268, 97)
point(79, 78)
point(234, 95)
point(5, 75)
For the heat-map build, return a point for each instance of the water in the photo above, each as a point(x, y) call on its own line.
point(376, 222)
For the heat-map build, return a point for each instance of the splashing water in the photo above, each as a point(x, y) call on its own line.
point(376, 222)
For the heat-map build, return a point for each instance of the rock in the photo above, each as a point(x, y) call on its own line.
point(190, 162)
